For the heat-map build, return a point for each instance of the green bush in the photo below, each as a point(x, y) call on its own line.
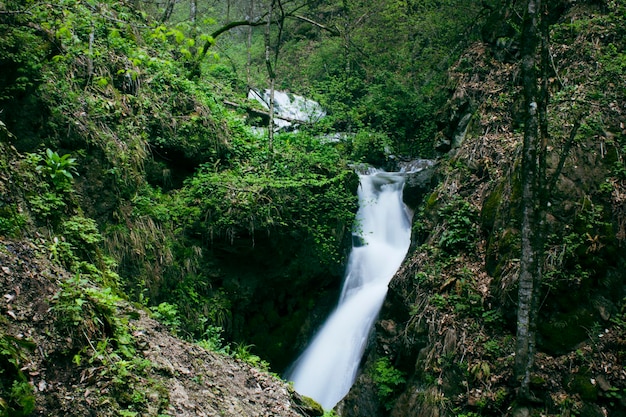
point(89, 314)
point(461, 229)
point(59, 169)
point(83, 236)
point(212, 340)
point(11, 220)
point(167, 314)
point(21, 400)
point(389, 381)
point(305, 188)
point(16, 394)
point(244, 353)
point(370, 147)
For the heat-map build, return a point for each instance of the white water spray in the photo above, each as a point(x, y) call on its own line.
point(328, 367)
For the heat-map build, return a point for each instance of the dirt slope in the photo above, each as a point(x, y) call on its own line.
point(163, 376)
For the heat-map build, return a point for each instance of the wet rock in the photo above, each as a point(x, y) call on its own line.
point(420, 180)
point(362, 400)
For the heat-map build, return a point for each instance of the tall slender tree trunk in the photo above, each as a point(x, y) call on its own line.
point(249, 42)
point(193, 10)
point(271, 74)
point(92, 36)
point(346, 38)
point(169, 9)
point(533, 212)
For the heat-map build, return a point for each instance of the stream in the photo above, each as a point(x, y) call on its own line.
point(327, 368)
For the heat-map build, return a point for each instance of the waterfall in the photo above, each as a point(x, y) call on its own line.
point(328, 367)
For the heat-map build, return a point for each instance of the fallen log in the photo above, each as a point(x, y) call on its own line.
point(262, 113)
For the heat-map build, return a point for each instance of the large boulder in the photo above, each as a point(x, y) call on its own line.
point(290, 110)
point(420, 180)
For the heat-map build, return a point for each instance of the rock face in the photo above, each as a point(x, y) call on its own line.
point(449, 320)
point(420, 180)
point(166, 376)
point(290, 110)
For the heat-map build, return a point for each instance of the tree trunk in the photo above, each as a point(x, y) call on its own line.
point(169, 9)
point(533, 212)
point(92, 36)
point(193, 10)
point(346, 39)
point(249, 42)
point(271, 74)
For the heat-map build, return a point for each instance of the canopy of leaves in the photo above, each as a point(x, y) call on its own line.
point(373, 64)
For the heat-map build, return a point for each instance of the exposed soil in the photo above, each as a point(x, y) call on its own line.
point(179, 379)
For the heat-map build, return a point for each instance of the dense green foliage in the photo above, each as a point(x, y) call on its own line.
point(16, 394)
point(374, 65)
point(140, 180)
point(388, 380)
point(120, 159)
point(300, 190)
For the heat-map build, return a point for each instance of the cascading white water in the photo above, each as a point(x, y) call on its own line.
point(328, 367)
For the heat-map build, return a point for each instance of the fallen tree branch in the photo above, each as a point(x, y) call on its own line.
point(264, 113)
point(335, 32)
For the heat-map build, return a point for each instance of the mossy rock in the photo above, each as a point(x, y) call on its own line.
point(490, 208)
point(562, 332)
point(582, 385)
point(499, 221)
point(502, 247)
point(306, 405)
point(431, 201)
point(537, 380)
point(417, 186)
point(593, 410)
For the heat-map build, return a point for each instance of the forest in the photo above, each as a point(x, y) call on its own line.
point(168, 247)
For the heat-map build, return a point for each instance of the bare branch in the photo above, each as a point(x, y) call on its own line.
point(564, 154)
point(226, 28)
point(232, 25)
point(15, 11)
point(260, 21)
point(335, 32)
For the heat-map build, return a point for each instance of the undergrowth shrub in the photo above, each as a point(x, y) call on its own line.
point(101, 338)
point(305, 187)
point(389, 381)
point(371, 147)
point(88, 314)
point(17, 397)
point(60, 169)
point(212, 340)
point(167, 314)
point(11, 220)
point(461, 229)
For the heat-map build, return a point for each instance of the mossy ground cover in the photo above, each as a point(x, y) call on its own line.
point(164, 183)
point(456, 342)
